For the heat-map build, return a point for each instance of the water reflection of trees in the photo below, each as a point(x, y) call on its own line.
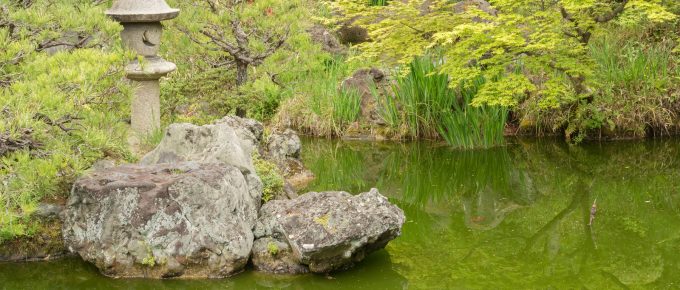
point(528, 206)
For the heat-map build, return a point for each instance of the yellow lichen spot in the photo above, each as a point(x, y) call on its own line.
point(322, 220)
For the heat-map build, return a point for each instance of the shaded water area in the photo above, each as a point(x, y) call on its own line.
point(506, 218)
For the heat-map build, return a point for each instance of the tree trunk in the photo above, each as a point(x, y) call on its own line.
point(241, 73)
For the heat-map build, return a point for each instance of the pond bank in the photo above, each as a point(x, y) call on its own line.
point(46, 244)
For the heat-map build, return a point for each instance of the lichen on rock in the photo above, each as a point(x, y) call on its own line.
point(193, 207)
point(183, 219)
point(324, 232)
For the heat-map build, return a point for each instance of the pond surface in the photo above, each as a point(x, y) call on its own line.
point(515, 217)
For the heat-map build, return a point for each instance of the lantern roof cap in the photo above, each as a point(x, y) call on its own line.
point(141, 11)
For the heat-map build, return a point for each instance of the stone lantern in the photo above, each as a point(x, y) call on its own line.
point(141, 20)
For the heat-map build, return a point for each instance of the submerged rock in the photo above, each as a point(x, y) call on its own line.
point(185, 219)
point(323, 232)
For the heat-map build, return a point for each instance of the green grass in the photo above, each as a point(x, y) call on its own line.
point(387, 107)
point(471, 127)
point(424, 95)
point(318, 107)
point(425, 104)
point(346, 108)
point(377, 3)
point(637, 80)
point(151, 140)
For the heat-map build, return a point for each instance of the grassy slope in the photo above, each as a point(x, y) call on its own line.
point(70, 105)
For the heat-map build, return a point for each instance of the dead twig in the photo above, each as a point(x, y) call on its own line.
point(59, 123)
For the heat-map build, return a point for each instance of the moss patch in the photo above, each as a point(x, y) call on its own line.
point(45, 243)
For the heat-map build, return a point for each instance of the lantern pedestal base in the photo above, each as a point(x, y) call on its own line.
point(146, 112)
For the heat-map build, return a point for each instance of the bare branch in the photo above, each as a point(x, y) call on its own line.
point(583, 36)
point(615, 13)
point(60, 123)
point(273, 46)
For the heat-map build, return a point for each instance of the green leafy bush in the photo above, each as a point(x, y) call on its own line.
point(535, 55)
point(272, 180)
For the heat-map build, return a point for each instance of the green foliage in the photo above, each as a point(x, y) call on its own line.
point(534, 55)
point(387, 107)
point(240, 33)
point(424, 96)
point(272, 180)
point(272, 248)
point(312, 109)
point(69, 102)
point(292, 78)
point(638, 81)
point(377, 2)
point(150, 141)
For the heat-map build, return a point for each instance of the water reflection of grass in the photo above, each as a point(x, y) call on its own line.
point(437, 174)
point(418, 173)
point(337, 167)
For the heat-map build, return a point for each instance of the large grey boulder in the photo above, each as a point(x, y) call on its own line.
point(215, 142)
point(231, 140)
point(323, 232)
point(284, 145)
point(184, 219)
point(248, 130)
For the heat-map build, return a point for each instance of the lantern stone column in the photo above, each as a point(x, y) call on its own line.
point(142, 32)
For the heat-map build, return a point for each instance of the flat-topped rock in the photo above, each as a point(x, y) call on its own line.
point(185, 219)
point(323, 232)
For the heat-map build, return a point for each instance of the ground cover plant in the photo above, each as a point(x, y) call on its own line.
point(63, 103)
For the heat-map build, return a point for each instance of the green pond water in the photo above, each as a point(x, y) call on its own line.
point(517, 217)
